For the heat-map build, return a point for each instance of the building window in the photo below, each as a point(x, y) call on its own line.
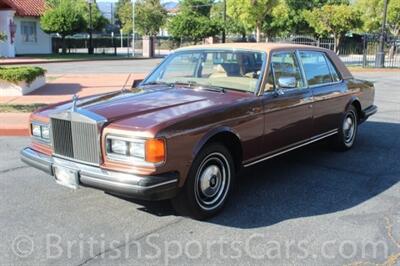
point(28, 31)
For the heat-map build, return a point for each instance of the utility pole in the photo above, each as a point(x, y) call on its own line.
point(133, 27)
point(380, 55)
point(121, 34)
point(224, 19)
point(90, 49)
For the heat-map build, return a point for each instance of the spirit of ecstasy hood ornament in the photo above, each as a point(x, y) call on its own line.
point(74, 102)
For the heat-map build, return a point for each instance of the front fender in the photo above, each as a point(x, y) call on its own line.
point(210, 134)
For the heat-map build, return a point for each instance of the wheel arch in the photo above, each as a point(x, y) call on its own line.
point(355, 101)
point(226, 136)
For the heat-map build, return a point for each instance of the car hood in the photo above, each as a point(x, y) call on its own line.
point(148, 107)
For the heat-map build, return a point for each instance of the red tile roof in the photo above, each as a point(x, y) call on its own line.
point(29, 8)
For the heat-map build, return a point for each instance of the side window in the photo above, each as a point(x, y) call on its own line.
point(316, 68)
point(269, 85)
point(285, 66)
point(333, 70)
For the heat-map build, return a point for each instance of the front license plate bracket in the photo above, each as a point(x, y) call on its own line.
point(66, 176)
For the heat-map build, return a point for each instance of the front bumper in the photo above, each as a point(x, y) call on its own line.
point(156, 187)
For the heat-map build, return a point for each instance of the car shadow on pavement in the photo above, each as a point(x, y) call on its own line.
point(311, 181)
point(58, 89)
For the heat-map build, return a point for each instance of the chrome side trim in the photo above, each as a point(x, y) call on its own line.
point(293, 147)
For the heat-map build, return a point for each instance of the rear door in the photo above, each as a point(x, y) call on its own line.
point(328, 90)
point(288, 114)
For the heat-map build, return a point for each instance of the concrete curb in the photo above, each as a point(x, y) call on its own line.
point(74, 60)
point(18, 132)
point(361, 70)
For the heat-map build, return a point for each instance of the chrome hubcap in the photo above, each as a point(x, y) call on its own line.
point(349, 127)
point(212, 181)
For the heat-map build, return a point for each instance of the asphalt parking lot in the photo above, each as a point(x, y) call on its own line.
point(312, 206)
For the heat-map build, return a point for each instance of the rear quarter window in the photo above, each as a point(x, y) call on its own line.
point(316, 68)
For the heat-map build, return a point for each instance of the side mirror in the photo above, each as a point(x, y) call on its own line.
point(136, 83)
point(287, 82)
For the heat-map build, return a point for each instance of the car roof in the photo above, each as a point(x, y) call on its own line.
point(262, 47)
point(271, 47)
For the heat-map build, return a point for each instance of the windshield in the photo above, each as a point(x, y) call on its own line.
point(237, 70)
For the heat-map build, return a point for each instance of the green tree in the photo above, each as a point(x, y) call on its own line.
point(121, 5)
point(372, 13)
point(98, 20)
point(3, 36)
point(279, 21)
point(231, 25)
point(193, 21)
point(393, 17)
point(150, 14)
point(65, 19)
point(252, 13)
point(296, 22)
point(124, 15)
point(152, 17)
point(333, 19)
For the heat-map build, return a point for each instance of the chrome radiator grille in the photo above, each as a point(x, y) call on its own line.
point(76, 140)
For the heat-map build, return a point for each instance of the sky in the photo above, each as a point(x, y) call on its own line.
point(107, 7)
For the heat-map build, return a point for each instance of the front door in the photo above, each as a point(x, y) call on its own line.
point(287, 104)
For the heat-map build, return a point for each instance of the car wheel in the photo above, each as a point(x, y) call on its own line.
point(208, 185)
point(348, 130)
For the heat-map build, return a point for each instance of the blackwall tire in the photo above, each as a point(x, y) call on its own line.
point(208, 184)
point(348, 129)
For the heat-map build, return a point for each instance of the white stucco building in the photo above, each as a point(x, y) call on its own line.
point(20, 21)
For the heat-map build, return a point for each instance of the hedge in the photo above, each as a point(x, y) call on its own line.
point(17, 74)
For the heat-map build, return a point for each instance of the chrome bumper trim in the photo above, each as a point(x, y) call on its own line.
point(143, 187)
point(370, 111)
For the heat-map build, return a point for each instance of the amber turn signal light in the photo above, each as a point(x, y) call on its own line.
point(155, 150)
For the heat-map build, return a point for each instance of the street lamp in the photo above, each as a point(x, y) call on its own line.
point(224, 18)
point(90, 48)
point(380, 55)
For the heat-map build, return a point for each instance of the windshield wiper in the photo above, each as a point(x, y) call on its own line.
point(192, 83)
point(157, 83)
point(188, 83)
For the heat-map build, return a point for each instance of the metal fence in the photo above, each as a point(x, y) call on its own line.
point(356, 50)
point(103, 45)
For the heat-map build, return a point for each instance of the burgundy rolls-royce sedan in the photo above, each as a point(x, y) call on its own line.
point(199, 117)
